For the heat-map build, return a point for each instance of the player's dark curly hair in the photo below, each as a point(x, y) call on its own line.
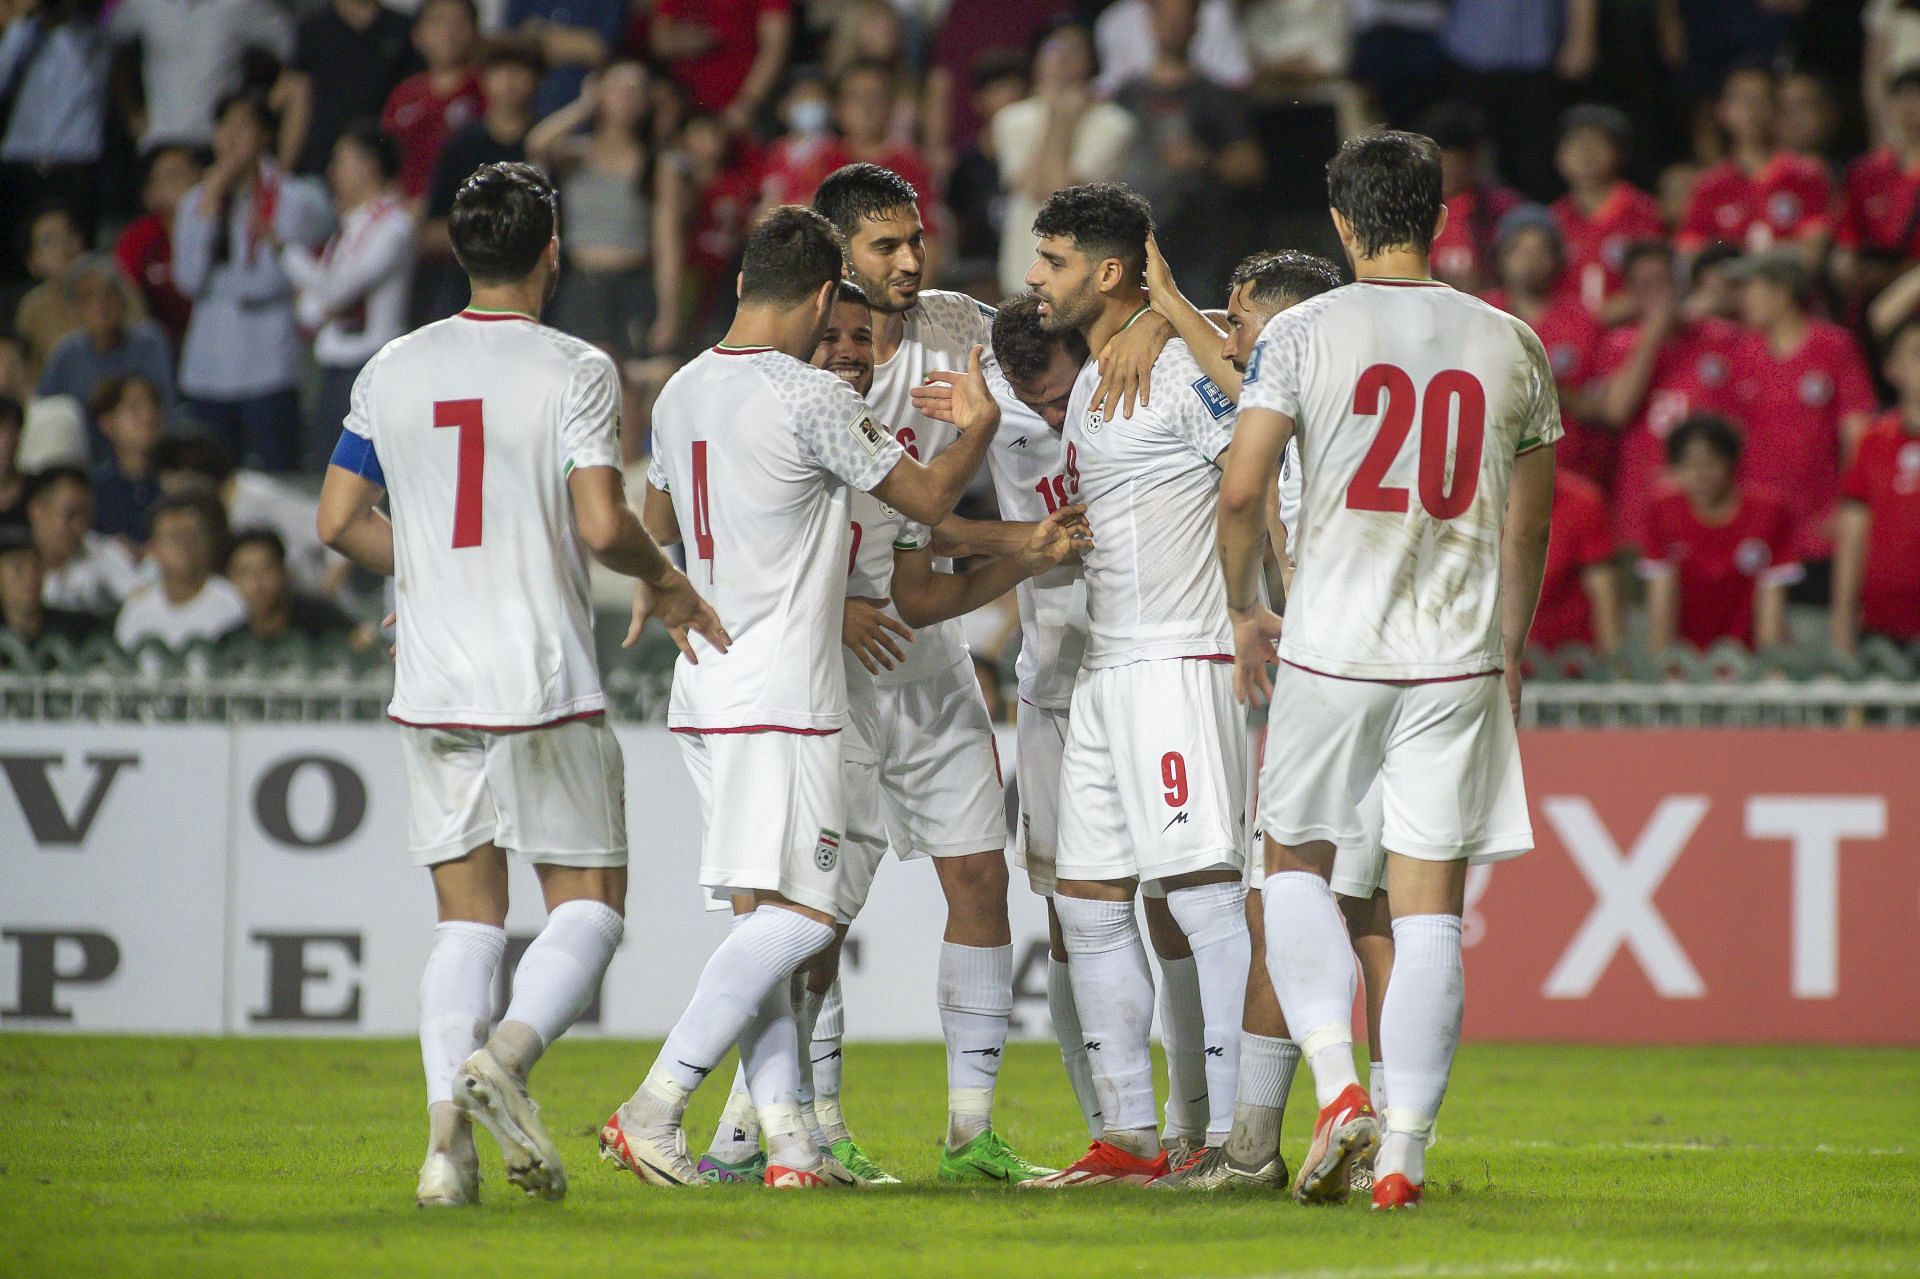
point(1023, 348)
point(1103, 219)
point(1710, 429)
point(1387, 186)
point(1284, 278)
point(790, 253)
point(502, 221)
point(855, 192)
point(849, 292)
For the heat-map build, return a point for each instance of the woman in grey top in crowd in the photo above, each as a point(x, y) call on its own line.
point(620, 216)
point(240, 363)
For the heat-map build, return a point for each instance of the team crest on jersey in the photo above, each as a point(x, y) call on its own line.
point(827, 851)
point(1815, 389)
point(1253, 365)
point(871, 437)
point(1095, 420)
point(1751, 555)
point(1213, 397)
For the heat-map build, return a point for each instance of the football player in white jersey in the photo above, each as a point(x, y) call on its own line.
point(758, 450)
point(500, 439)
point(1427, 422)
point(1153, 776)
point(940, 772)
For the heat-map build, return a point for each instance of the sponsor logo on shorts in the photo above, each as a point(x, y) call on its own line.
point(1178, 819)
point(827, 852)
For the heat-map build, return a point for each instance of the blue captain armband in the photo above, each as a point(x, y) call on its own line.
point(355, 453)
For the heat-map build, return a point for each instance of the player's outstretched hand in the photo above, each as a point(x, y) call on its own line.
point(1161, 288)
point(1256, 635)
point(960, 398)
point(1061, 538)
point(679, 608)
point(1126, 366)
point(865, 627)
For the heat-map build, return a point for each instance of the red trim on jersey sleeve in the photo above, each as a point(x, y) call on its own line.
point(757, 728)
point(500, 728)
point(1361, 679)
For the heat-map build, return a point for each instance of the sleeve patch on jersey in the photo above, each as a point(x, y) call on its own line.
point(985, 310)
point(1253, 365)
point(1213, 397)
point(1528, 445)
point(869, 435)
point(355, 453)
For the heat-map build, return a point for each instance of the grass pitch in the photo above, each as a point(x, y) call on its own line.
point(259, 1157)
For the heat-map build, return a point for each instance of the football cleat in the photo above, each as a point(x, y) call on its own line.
point(1346, 1130)
point(1181, 1148)
point(654, 1157)
point(1394, 1191)
point(780, 1177)
point(846, 1151)
point(445, 1184)
point(719, 1172)
point(487, 1093)
point(1104, 1164)
point(1212, 1170)
point(1361, 1178)
point(987, 1158)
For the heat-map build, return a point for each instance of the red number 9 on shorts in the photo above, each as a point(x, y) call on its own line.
point(1173, 775)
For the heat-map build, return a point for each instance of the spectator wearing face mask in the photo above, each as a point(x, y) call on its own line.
point(189, 601)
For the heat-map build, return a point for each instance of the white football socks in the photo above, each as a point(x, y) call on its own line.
point(828, 1062)
point(1419, 1034)
point(737, 1136)
point(1214, 918)
point(770, 1053)
point(558, 978)
point(456, 999)
point(1377, 1086)
point(1183, 1037)
point(1113, 990)
point(755, 958)
point(1310, 959)
point(1073, 1044)
point(975, 999)
point(806, 1011)
point(1266, 1076)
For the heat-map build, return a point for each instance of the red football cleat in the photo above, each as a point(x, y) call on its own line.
point(1346, 1130)
point(780, 1177)
point(1104, 1164)
point(1394, 1191)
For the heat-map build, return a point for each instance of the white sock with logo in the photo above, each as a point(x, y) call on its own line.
point(828, 1061)
point(1113, 990)
point(1073, 1044)
point(770, 1053)
point(1310, 958)
point(1214, 918)
point(975, 999)
point(1183, 1037)
point(1419, 1034)
point(456, 999)
point(737, 1136)
point(559, 975)
point(806, 1011)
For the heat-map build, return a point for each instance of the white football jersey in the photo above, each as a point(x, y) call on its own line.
point(939, 332)
point(1290, 495)
point(878, 531)
point(476, 422)
point(1411, 401)
point(757, 450)
point(1152, 490)
point(1035, 473)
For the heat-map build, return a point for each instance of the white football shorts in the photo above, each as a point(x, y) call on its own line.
point(1042, 735)
point(1359, 868)
point(555, 795)
point(774, 808)
point(1445, 754)
point(1153, 781)
point(939, 767)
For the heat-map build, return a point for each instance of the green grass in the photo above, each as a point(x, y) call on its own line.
point(275, 1157)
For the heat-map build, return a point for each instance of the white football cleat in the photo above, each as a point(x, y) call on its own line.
point(655, 1157)
point(445, 1184)
point(486, 1093)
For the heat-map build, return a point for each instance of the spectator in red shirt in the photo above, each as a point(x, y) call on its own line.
point(725, 181)
point(1580, 592)
point(1463, 252)
point(1760, 194)
point(426, 107)
point(729, 53)
point(1664, 364)
point(1879, 227)
point(800, 159)
point(1803, 391)
point(1601, 213)
point(1711, 286)
point(1720, 557)
point(145, 249)
point(1876, 561)
point(1534, 287)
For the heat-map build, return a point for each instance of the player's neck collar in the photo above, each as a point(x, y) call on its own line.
point(721, 348)
point(1403, 281)
point(481, 313)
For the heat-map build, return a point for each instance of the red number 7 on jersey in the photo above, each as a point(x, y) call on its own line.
point(465, 416)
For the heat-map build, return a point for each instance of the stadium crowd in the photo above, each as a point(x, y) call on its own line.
point(216, 211)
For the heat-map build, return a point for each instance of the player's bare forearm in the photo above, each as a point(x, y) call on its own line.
point(348, 523)
point(1250, 473)
point(958, 536)
point(928, 493)
point(1523, 548)
point(367, 541)
point(657, 515)
point(931, 597)
point(633, 553)
point(611, 529)
point(1190, 323)
point(1769, 615)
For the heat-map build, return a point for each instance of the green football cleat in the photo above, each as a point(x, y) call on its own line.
point(750, 1171)
point(865, 1171)
point(987, 1158)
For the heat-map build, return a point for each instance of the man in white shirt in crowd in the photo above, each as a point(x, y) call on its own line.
point(87, 572)
point(189, 601)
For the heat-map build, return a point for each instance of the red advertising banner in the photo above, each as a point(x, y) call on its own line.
point(1706, 886)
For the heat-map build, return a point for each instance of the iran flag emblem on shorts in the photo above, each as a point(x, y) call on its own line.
point(827, 851)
